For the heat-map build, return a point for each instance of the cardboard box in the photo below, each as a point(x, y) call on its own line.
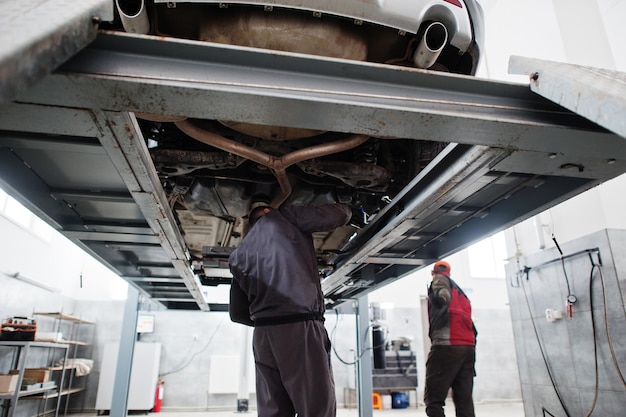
point(38, 374)
point(8, 383)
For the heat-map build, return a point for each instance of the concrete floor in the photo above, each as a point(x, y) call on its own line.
point(492, 409)
point(509, 409)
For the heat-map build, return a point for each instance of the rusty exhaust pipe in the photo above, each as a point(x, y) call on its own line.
point(277, 164)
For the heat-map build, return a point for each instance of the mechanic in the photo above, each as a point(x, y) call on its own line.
point(276, 288)
point(452, 355)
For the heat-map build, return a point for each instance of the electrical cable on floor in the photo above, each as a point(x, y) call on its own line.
point(543, 355)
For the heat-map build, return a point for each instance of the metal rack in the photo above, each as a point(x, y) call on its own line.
point(67, 387)
point(11, 400)
point(398, 375)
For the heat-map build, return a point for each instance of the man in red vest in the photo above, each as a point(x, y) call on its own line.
point(450, 363)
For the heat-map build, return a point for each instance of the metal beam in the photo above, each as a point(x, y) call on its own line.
point(130, 156)
point(396, 261)
point(417, 203)
point(140, 73)
point(113, 237)
point(126, 350)
point(153, 279)
point(116, 197)
point(18, 117)
point(513, 152)
point(364, 356)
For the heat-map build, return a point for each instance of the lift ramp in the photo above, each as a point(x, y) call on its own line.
point(595, 93)
point(72, 152)
point(38, 36)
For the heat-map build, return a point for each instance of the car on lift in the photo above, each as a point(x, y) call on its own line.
point(213, 171)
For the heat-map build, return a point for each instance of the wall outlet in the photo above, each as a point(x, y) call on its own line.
point(553, 315)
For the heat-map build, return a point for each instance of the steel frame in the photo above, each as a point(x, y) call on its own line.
point(513, 152)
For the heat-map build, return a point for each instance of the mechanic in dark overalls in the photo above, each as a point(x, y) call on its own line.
point(276, 288)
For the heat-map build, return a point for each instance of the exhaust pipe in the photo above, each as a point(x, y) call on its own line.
point(432, 43)
point(133, 15)
point(277, 164)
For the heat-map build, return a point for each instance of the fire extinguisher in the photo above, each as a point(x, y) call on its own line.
point(158, 398)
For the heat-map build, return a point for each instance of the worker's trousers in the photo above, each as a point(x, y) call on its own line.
point(293, 373)
point(450, 367)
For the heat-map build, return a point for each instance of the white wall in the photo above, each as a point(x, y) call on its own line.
point(583, 32)
point(599, 208)
point(34, 250)
point(592, 34)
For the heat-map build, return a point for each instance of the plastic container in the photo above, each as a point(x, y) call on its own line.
point(400, 400)
point(377, 402)
point(386, 399)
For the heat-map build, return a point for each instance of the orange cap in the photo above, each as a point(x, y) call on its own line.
point(442, 266)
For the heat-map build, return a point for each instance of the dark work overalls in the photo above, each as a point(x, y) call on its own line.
point(276, 288)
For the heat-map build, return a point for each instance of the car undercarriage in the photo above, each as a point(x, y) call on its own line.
point(213, 171)
point(145, 134)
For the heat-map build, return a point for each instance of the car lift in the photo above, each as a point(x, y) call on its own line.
point(69, 148)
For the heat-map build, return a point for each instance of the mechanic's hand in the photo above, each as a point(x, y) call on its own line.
point(359, 217)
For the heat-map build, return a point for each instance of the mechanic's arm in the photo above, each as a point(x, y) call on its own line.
point(239, 307)
point(440, 291)
point(323, 218)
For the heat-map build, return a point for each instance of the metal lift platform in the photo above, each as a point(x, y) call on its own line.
point(72, 152)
